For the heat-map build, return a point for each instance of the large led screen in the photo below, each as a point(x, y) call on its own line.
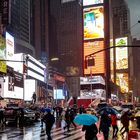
point(10, 46)
point(91, 47)
point(121, 53)
point(93, 22)
point(122, 81)
point(91, 2)
point(3, 67)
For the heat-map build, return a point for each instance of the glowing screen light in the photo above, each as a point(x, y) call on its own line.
point(122, 81)
point(91, 47)
point(121, 53)
point(93, 22)
point(91, 2)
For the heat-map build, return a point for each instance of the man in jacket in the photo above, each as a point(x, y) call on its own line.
point(49, 120)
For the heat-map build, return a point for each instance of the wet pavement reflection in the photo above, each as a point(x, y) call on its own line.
point(35, 132)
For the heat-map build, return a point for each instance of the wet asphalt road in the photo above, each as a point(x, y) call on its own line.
point(35, 132)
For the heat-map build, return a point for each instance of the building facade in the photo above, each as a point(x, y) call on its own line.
point(119, 56)
point(65, 39)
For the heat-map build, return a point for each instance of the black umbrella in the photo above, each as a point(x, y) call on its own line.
point(107, 110)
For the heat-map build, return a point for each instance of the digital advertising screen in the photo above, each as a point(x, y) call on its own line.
point(112, 64)
point(58, 94)
point(121, 53)
point(122, 81)
point(91, 47)
point(3, 67)
point(93, 22)
point(10, 47)
point(91, 2)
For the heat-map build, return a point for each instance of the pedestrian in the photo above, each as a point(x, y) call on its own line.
point(49, 120)
point(72, 116)
point(1, 117)
point(91, 132)
point(114, 125)
point(125, 122)
point(81, 109)
point(67, 120)
point(138, 122)
point(105, 124)
point(42, 112)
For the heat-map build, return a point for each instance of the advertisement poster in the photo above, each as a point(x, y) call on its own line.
point(9, 48)
point(112, 64)
point(91, 47)
point(121, 53)
point(91, 2)
point(3, 67)
point(122, 81)
point(93, 23)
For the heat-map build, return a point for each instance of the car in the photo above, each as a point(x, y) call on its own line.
point(13, 114)
point(29, 115)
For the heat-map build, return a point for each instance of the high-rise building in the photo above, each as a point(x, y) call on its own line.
point(21, 26)
point(65, 20)
point(65, 40)
point(120, 35)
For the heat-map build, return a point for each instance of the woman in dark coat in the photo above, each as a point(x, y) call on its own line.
point(91, 132)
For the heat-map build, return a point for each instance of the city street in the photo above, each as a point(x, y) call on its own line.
point(35, 132)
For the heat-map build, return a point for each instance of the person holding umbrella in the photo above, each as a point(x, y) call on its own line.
point(114, 124)
point(104, 125)
point(125, 122)
point(137, 116)
point(91, 131)
point(88, 121)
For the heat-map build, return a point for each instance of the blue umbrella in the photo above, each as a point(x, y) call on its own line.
point(85, 119)
point(107, 110)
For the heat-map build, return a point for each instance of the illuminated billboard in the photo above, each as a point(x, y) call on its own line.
point(93, 22)
point(122, 81)
point(10, 46)
point(3, 67)
point(91, 2)
point(91, 47)
point(121, 53)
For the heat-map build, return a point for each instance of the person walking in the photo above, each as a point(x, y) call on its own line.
point(72, 116)
point(49, 120)
point(105, 124)
point(125, 122)
point(138, 122)
point(114, 125)
point(67, 120)
point(90, 132)
point(42, 112)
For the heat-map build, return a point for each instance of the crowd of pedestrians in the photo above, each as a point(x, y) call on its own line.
point(49, 116)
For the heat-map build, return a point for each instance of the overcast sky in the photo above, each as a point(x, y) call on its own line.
point(134, 6)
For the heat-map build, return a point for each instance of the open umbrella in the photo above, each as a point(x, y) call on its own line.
point(85, 119)
point(107, 110)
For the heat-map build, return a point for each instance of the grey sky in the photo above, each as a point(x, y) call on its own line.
point(134, 6)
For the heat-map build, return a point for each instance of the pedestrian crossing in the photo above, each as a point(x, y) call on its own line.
point(37, 133)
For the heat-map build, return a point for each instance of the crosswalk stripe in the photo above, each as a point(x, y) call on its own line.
point(37, 133)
